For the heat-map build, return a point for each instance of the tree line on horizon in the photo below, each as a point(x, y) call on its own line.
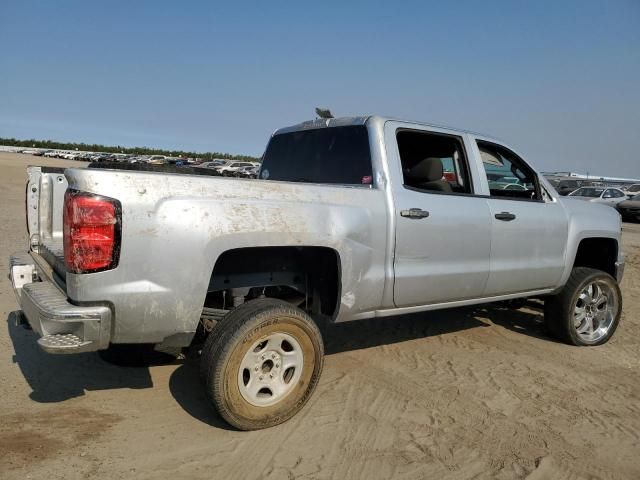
point(54, 145)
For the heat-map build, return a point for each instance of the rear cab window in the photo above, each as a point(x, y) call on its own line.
point(333, 155)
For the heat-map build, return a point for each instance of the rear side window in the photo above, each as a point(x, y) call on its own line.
point(433, 162)
point(325, 155)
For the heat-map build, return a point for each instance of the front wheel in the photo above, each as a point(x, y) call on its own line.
point(587, 310)
point(262, 364)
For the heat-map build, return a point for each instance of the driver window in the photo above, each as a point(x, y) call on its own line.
point(507, 174)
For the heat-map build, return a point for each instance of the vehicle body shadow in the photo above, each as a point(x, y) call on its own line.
point(189, 390)
point(56, 378)
point(528, 320)
point(340, 337)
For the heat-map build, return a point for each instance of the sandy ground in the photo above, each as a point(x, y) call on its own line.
point(471, 393)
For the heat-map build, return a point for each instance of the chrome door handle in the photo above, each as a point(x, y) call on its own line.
point(505, 216)
point(416, 213)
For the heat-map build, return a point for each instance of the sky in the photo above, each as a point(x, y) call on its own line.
point(557, 80)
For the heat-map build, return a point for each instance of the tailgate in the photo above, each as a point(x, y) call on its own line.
point(44, 202)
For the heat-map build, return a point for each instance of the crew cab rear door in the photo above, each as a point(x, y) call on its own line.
point(529, 228)
point(442, 245)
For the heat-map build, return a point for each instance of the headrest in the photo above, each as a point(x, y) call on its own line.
point(427, 170)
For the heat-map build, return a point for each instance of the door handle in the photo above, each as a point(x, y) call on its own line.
point(416, 213)
point(505, 216)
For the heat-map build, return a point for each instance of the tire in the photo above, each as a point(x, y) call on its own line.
point(575, 317)
point(262, 364)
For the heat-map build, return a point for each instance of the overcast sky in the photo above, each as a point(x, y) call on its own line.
point(559, 81)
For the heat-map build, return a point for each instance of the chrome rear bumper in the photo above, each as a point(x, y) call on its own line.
point(63, 326)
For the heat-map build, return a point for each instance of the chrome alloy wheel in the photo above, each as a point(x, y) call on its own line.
point(595, 311)
point(270, 369)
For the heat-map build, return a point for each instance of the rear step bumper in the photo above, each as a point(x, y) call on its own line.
point(63, 327)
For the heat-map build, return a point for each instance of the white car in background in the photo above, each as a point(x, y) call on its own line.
point(230, 169)
point(215, 164)
point(608, 196)
point(157, 160)
point(248, 172)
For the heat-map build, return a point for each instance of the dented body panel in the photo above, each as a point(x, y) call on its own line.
point(174, 228)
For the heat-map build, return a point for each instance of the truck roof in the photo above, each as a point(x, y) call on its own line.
point(363, 120)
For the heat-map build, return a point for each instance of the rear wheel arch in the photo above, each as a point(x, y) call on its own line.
point(313, 272)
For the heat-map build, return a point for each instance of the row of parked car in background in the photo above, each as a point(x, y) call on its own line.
point(624, 198)
point(222, 167)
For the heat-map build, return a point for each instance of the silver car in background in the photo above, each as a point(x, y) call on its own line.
point(608, 196)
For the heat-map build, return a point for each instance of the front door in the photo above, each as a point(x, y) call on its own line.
point(528, 231)
point(527, 253)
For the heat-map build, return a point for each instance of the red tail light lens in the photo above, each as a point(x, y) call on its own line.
point(91, 232)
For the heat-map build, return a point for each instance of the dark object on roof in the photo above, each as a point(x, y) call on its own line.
point(324, 112)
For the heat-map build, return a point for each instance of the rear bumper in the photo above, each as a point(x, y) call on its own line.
point(63, 327)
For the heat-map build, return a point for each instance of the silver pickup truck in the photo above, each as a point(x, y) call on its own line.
point(351, 218)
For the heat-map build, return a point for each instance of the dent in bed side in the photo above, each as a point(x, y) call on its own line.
point(174, 232)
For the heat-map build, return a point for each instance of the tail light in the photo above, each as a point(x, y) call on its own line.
point(91, 232)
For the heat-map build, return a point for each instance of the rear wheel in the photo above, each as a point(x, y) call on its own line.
point(587, 310)
point(262, 364)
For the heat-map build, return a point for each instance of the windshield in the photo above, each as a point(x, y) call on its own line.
point(324, 155)
point(587, 192)
point(634, 188)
